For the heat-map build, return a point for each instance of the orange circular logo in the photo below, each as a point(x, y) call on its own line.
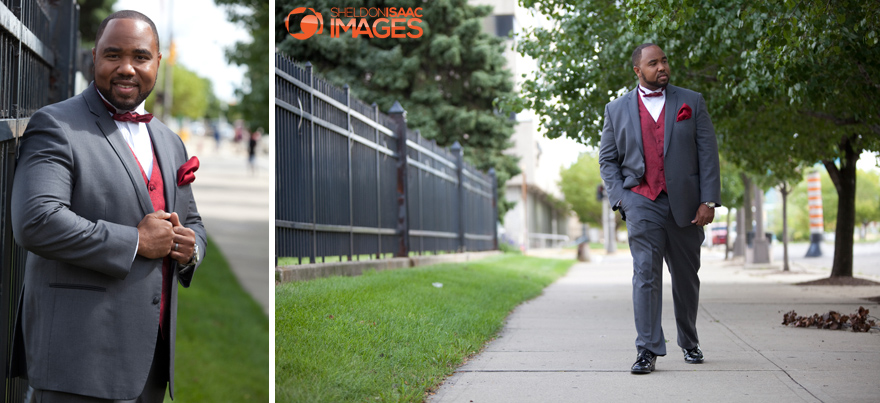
point(310, 24)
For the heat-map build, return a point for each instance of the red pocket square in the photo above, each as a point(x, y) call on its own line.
point(684, 113)
point(186, 174)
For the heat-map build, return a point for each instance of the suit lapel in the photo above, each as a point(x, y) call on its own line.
point(669, 120)
point(632, 108)
point(163, 152)
point(120, 147)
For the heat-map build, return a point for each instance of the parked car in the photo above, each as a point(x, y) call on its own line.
point(719, 236)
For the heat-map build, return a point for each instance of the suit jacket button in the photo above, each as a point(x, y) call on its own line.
point(155, 300)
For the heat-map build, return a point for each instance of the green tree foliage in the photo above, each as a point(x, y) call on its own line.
point(867, 199)
point(867, 205)
point(254, 92)
point(579, 183)
point(799, 211)
point(447, 79)
point(91, 13)
point(193, 96)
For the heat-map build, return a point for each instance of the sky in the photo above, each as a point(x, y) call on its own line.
point(201, 32)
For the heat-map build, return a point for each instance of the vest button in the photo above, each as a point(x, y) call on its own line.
point(155, 300)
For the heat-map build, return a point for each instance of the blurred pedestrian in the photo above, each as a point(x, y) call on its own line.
point(252, 150)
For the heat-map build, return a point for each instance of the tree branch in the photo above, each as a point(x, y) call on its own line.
point(866, 75)
point(833, 173)
point(702, 76)
point(837, 120)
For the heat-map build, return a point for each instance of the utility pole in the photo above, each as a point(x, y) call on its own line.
point(169, 67)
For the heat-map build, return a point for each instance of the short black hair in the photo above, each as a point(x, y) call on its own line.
point(637, 54)
point(127, 14)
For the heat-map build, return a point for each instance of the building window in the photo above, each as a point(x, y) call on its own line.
point(503, 25)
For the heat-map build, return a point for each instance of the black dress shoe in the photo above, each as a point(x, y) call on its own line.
point(645, 363)
point(693, 356)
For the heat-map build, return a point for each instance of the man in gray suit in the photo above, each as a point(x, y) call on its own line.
point(103, 203)
point(659, 160)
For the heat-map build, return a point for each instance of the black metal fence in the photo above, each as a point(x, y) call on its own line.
point(38, 42)
point(353, 182)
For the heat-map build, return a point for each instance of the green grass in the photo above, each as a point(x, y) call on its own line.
point(293, 261)
point(391, 336)
point(601, 246)
point(222, 352)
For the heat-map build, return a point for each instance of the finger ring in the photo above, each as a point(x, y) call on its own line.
point(176, 246)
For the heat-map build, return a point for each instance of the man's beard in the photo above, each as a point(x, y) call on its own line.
point(657, 82)
point(122, 105)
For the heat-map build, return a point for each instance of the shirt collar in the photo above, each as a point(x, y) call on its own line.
point(647, 91)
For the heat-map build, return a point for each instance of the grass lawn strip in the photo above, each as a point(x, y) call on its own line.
point(222, 352)
point(395, 335)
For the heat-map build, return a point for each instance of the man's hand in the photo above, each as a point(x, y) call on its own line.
point(705, 215)
point(184, 241)
point(155, 235)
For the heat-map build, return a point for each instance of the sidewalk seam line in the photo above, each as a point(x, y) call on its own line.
point(706, 310)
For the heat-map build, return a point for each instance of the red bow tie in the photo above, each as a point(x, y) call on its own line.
point(128, 116)
point(651, 94)
point(133, 117)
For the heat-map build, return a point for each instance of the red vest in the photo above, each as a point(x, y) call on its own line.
point(654, 180)
point(156, 187)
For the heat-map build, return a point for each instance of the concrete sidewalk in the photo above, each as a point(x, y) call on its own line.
point(235, 207)
point(575, 343)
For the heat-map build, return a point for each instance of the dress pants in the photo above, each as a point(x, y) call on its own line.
point(654, 237)
point(154, 390)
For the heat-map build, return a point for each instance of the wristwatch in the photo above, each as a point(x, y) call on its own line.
point(708, 204)
point(194, 260)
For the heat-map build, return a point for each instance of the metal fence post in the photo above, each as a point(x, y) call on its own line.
point(494, 208)
point(378, 184)
point(347, 90)
point(314, 252)
point(398, 115)
point(459, 168)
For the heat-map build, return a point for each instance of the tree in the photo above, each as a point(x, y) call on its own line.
point(91, 13)
point(447, 79)
point(193, 96)
point(254, 92)
point(579, 183)
point(816, 60)
point(732, 195)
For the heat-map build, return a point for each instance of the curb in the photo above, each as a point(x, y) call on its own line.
point(286, 274)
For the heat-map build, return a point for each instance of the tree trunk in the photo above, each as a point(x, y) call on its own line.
point(743, 218)
point(844, 179)
point(727, 237)
point(784, 189)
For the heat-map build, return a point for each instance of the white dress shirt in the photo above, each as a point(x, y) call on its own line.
point(137, 137)
point(654, 105)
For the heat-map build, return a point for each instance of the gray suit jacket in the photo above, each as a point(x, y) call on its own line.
point(690, 152)
point(89, 315)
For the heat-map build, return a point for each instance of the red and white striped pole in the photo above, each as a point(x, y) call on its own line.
point(817, 223)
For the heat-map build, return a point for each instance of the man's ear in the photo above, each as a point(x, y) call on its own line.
point(637, 70)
